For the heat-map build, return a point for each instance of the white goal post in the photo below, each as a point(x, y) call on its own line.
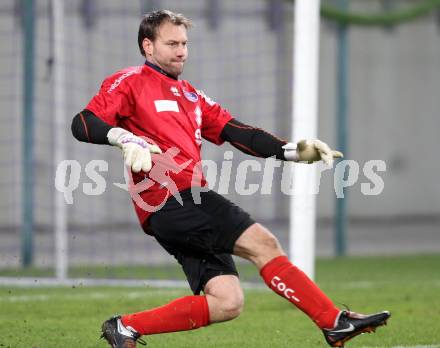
point(304, 125)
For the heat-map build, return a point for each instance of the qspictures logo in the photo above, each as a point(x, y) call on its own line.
point(224, 177)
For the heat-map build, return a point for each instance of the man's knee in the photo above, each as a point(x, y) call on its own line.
point(269, 241)
point(225, 298)
point(231, 307)
point(257, 244)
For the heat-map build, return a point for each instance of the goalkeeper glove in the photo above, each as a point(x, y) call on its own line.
point(310, 151)
point(137, 152)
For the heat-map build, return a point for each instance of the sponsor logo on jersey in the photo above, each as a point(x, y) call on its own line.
point(207, 99)
point(191, 96)
point(198, 113)
point(175, 91)
point(166, 105)
point(118, 81)
point(198, 136)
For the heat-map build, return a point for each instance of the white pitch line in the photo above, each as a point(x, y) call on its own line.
point(92, 295)
point(418, 346)
point(30, 282)
point(366, 284)
point(38, 282)
point(24, 298)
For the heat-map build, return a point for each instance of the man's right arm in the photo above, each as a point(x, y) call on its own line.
point(87, 127)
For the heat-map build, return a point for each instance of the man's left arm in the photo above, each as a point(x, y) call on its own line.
point(257, 142)
point(253, 141)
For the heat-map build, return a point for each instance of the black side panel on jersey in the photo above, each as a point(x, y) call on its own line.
point(253, 141)
point(87, 127)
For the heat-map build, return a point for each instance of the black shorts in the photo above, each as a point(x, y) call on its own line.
point(200, 236)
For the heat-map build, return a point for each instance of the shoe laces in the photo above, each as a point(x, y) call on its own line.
point(347, 308)
point(141, 342)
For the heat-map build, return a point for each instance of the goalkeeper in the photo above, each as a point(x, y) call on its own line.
point(147, 111)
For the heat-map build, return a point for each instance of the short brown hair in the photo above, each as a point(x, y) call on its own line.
point(152, 21)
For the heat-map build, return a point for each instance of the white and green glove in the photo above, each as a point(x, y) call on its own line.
point(310, 151)
point(137, 152)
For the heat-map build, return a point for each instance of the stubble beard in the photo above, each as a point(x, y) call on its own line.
point(174, 70)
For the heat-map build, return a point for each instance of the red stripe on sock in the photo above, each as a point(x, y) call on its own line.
point(293, 284)
point(182, 314)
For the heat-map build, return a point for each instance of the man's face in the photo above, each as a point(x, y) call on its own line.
point(169, 51)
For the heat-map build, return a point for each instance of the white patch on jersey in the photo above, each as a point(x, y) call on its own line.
point(166, 105)
point(208, 99)
point(198, 113)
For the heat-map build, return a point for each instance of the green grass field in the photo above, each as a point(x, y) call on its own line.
point(70, 317)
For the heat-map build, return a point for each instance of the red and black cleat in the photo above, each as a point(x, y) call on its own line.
point(350, 324)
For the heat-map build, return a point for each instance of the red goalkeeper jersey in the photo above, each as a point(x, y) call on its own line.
point(169, 113)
